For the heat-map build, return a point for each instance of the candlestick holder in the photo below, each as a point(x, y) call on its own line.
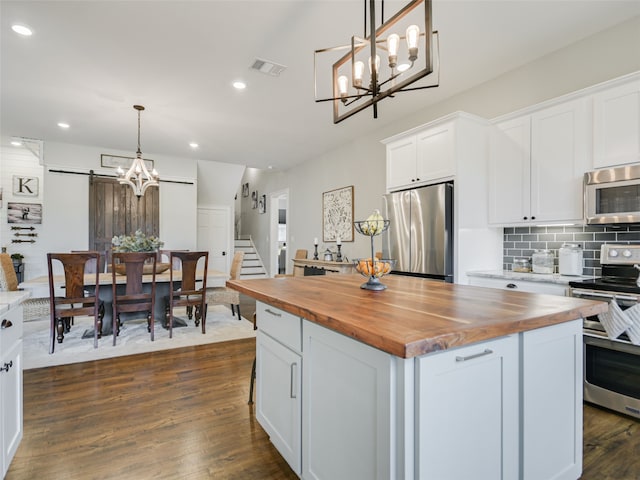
point(339, 254)
point(315, 253)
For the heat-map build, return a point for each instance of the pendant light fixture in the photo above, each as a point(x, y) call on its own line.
point(398, 53)
point(138, 176)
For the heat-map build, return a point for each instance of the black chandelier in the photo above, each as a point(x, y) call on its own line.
point(360, 78)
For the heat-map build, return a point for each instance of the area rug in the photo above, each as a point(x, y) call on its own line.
point(133, 338)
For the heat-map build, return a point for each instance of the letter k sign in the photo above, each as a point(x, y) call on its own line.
point(27, 186)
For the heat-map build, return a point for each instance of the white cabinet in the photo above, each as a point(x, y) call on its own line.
point(536, 166)
point(616, 121)
point(552, 402)
point(530, 286)
point(421, 157)
point(279, 381)
point(10, 384)
point(347, 419)
point(468, 412)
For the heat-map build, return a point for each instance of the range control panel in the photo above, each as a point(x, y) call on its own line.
point(616, 254)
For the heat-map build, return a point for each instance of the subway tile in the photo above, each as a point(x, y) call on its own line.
point(514, 238)
point(628, 236)
point(522, 245)
point(605, 237)
point(555, 229)
point(522, 230)
point(529, 237)
point(546, 237)
point(583, 237)
point(538, 229)
point(538, 245)
point(564, 237)
point(573, 229)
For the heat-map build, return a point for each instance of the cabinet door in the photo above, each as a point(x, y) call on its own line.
point(278, 397)
point(559, 158)
point(401, 162)
point(347, 418)
point(467, 424)
point(509, 172)
point(11, 403)
point(552, 402)
point(435, 153)
point(616, 115)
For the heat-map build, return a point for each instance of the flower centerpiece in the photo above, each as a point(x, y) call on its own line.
point(138, 242)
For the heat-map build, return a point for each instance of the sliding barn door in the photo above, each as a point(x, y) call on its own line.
point(115, 210)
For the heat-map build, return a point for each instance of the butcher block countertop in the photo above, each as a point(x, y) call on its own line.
point(414, 316)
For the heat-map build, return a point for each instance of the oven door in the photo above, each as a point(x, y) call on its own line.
point(612, 374)
point(615, 202)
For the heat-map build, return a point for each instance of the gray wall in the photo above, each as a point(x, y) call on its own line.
point(609, 54)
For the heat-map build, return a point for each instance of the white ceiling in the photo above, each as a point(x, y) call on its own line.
point(89, 62)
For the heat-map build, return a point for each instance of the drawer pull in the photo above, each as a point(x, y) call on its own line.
point(7, 366)
point(6, 323)
point(272, 312)
point(293, 392)
point(487, 351)
point(512, 285)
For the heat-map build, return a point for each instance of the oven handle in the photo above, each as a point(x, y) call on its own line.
point(588, 293)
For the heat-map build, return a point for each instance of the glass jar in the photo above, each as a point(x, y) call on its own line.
point(522, 265)
point(542, 261)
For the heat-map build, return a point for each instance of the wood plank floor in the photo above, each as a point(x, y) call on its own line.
point(183, 414)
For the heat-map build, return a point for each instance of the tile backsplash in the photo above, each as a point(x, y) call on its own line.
point(523, 241)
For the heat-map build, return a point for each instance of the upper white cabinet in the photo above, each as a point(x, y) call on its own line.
point(536, 166)
point(421, 157)
point(616, 121)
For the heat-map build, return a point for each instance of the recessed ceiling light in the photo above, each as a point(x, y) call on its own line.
point(22, 30)
point(16, 143)
point(239, 85)
point(63, 125)
point(194, 145)
point(270, 167)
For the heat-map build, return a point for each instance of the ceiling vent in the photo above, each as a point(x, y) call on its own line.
point(267, 67)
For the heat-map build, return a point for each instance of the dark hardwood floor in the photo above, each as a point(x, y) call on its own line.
point(183, 414)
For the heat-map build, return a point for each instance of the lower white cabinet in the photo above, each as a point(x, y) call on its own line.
point(503, 409)
point(467, 409)
point(10, 384)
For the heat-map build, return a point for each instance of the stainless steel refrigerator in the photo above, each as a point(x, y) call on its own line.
point(420, 234)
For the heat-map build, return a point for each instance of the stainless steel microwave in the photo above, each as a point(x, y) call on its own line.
point(612, 195)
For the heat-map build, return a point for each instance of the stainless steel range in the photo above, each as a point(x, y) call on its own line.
point(612, 365)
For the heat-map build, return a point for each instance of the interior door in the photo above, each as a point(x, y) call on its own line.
point(213, 235)
point(115, 210)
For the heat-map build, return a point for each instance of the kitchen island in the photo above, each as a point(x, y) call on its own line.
point(423, 380)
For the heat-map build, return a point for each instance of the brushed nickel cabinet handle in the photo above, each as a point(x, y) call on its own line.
point(6, 323)
point(512, 285)
point(487, 351)
point(293, 383)
point(272, 312)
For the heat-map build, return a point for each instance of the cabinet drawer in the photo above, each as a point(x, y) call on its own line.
point(280, 325)
point(11, 330)
point(520, 285)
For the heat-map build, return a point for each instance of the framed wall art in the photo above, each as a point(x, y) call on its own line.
point(337, 215)
point(245, 189)
point(25, 186)
point(254, 199)
point(24, 212)
point(262, 204)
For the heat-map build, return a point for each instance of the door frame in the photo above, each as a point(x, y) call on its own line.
point(273, 229)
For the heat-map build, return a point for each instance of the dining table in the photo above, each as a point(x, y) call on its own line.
point(39, 287)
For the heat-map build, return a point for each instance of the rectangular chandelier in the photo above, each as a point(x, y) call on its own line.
point(405, 50)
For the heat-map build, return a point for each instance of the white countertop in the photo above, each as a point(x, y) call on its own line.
point(11, 299)
point(532, 277)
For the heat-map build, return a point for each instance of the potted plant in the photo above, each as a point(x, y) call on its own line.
point(138, 242)
point(17, 258)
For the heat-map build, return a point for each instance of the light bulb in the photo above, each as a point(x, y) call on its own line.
point(120, 172)
point(343, 85)
point(358, 73)
point(413, 35)
point(393, 41)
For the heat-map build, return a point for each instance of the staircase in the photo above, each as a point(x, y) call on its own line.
point(252, 266)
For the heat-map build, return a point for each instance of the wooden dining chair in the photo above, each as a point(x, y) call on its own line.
point(32, 308)
point(76, 300)
point(134, 298)
point(186, 292)
point(228, 296)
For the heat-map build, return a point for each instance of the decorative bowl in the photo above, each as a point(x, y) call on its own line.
point(147, 269)
point(371, 228)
